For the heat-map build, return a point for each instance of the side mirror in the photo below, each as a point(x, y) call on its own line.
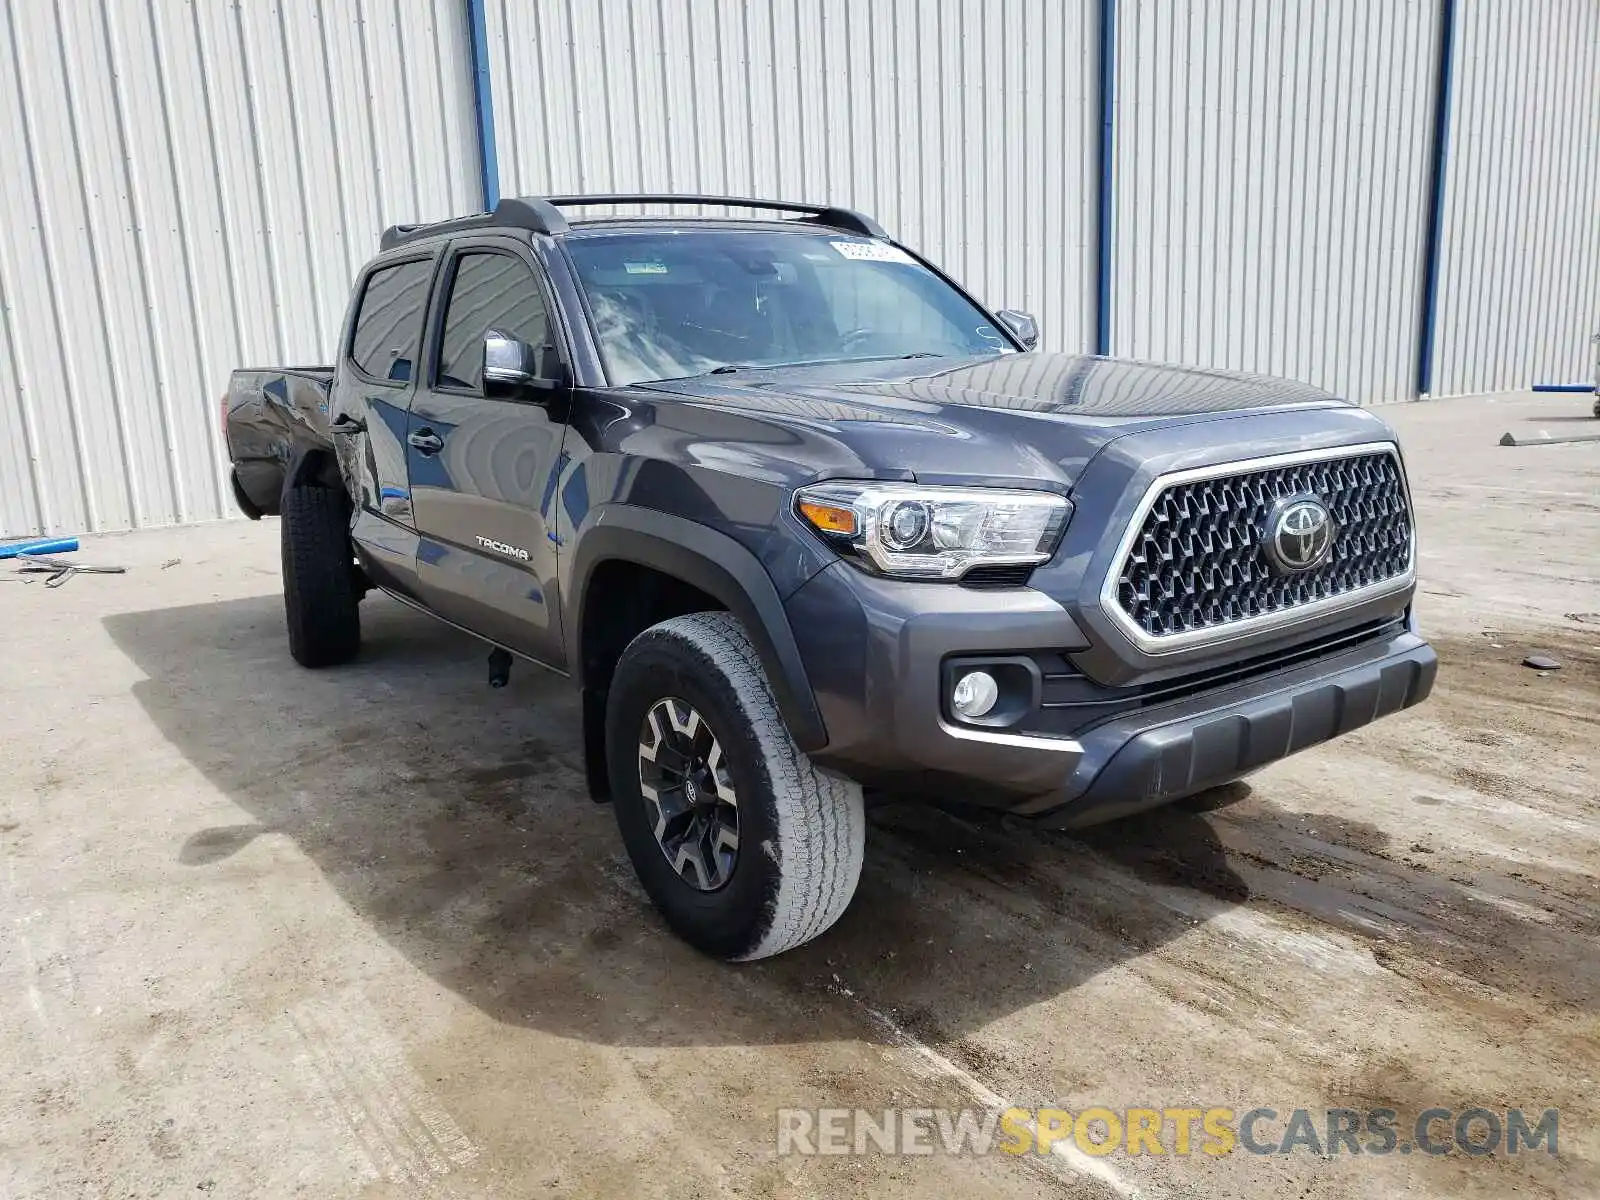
point(1022, 324)
point(512, 367)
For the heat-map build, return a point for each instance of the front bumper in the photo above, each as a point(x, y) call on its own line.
point(1162, 754)
point(875, 651)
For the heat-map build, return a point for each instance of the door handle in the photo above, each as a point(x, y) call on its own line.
point(348, 424)
point(426, 440)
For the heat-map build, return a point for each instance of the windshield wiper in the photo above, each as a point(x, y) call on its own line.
point(733, 368)
point(866, 358)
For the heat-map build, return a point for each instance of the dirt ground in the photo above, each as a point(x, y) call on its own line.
point(268, 932)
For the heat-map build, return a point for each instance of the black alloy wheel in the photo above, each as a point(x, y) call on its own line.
point(684, 777)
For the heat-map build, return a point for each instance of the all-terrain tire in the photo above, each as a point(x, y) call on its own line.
point(801, 832)
point(320, 587)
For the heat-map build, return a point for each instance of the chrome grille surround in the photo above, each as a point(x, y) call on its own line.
point(1151, 591)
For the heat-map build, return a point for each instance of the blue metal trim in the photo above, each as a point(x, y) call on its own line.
point(1108, 65)
point(1435, 234)
point(483, 105)
point(38, 546)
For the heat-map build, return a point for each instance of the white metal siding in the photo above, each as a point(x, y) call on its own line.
point(964, 126)
point(190, 186)
point(1271, 187)
point(1519, 291)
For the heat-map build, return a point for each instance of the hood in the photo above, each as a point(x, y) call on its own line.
point(1017, 418)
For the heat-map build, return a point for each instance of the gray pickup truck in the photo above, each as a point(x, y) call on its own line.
point(800, 517)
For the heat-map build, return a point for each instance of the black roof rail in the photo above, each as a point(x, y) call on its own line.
point(516, 213)
point(541, 214)
point(823, 214)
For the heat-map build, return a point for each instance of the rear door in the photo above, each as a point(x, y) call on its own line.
point(374, 384)
point(482, 470)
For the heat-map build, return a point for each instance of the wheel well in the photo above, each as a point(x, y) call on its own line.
point(320, 468)
point(316, 468)
point(621, 600)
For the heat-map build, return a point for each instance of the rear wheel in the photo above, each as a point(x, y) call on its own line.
point(745, 847)
point(320, 586)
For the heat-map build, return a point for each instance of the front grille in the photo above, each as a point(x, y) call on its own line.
point(1197, 561)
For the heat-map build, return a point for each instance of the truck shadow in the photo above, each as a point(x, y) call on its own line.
point(452, 819)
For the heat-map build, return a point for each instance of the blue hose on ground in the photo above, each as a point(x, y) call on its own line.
point(1563, 387)
point(38, 546)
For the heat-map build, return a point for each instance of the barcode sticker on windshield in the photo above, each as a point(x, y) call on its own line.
point(874, 252)
point(645, 268)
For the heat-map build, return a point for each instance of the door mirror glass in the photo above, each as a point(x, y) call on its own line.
point(1022, 325)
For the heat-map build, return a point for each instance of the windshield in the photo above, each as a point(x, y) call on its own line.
point(672, 303)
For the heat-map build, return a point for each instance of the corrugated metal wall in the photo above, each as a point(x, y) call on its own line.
point(189, 186)
point(1519, 291)
point(1271, 186)
point(964, 126)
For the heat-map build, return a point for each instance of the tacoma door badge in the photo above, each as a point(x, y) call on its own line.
point(502, 548)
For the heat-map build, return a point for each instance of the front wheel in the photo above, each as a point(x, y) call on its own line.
point(745, 847)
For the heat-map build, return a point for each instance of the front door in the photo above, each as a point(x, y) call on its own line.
point(482, 469)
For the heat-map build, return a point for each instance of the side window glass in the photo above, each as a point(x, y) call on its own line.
point(490, 291)
point(388, 334)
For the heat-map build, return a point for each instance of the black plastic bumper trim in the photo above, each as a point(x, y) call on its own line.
point(1130, 765)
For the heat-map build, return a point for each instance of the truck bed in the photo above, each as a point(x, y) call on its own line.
point(272, 414)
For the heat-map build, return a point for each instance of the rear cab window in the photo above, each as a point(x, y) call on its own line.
point(386, 342)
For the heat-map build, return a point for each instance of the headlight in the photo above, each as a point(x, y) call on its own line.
point(919, 532)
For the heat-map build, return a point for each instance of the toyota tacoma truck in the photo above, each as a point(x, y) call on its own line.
point(800, 517)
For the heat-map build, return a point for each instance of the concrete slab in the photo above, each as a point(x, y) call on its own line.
point(359, 933)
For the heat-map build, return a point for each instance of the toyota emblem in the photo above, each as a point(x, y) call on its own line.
point(1299, 534)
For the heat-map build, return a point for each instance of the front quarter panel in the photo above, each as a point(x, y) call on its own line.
point(701, 495)
point(731, 472)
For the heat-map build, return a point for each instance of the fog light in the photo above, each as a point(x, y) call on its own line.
point(974, 695)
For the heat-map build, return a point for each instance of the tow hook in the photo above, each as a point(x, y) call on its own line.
point(499, 667)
